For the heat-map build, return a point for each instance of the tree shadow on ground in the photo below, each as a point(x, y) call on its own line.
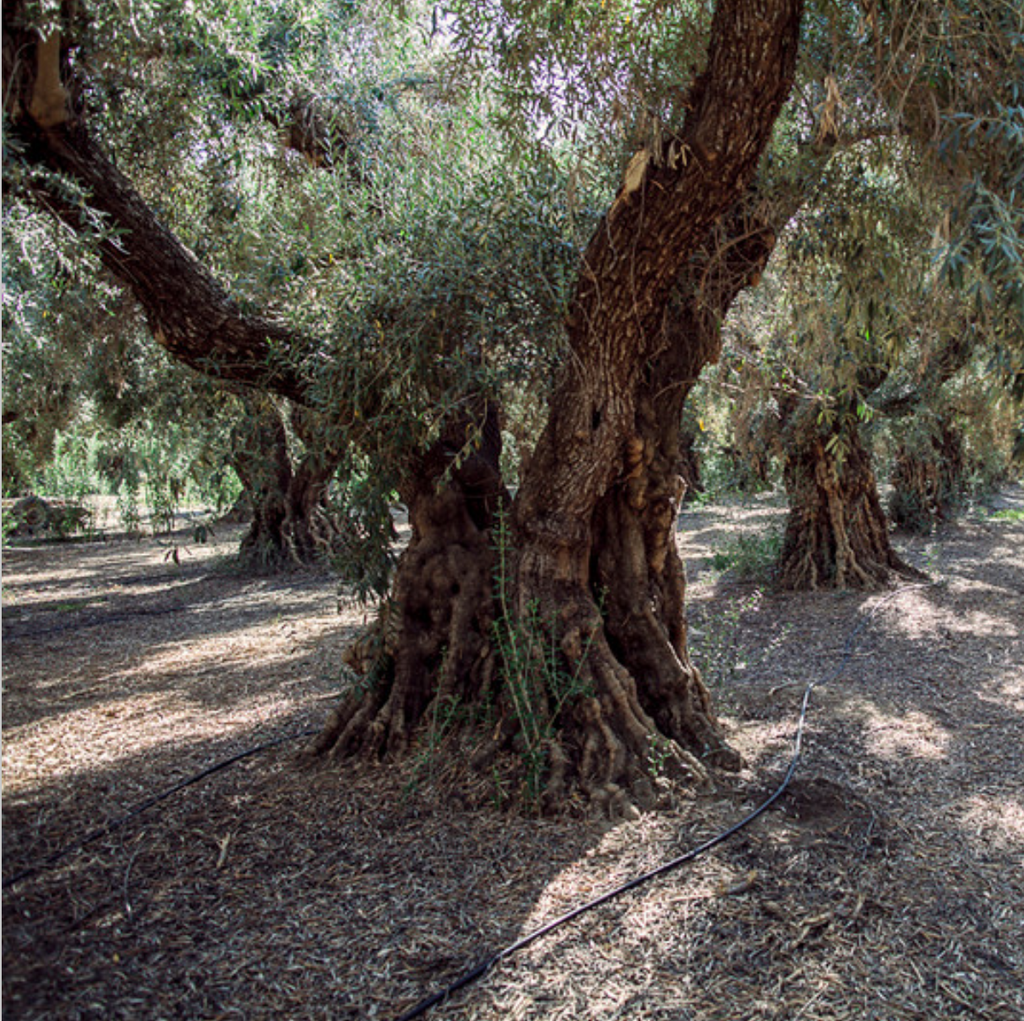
point(885, 883)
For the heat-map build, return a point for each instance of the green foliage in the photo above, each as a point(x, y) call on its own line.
point(1013, 514)
point(727, 474)
point(90, 406)
point(72, 474)
point(358, 171)
point(364, 554)
point(150, 468)
point(659, 756)
point(71, 519)
point(458, 290)
point(8, 523)
point(750, 557)
point(590, 72)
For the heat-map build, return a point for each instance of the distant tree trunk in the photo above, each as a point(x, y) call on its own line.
point(753, 435)
point(929, 473)
point(291, 523)
point(928, 480)
point(690, 465)
point(837, 535)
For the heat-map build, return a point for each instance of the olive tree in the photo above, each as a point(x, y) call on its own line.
point(404, 298)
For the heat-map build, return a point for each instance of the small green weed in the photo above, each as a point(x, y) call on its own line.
point(8, 523)
point(534, 672)
point(1014, 514)
point(658, 756)
point(750, 557)
point(716, 644)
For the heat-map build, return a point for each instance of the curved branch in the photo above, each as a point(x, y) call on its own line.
point(953, 356)
point(190, 313)
point(668, 203)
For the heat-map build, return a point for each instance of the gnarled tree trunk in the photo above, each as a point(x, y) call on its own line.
point(928, 480)
point(588, 568)
point(291, 522)
point(837, 535)
point(432, 644)
point(581, 643)
point(648, 701)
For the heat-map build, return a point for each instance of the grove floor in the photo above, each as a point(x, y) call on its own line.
point(887, 883)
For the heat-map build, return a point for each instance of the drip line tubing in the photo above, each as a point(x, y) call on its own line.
point(116, 824)
point(488, 963)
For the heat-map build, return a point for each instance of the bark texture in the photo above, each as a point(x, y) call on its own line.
point(928, 480)
point(431, 648)
point(589, 566)
point(574, 632)
point(837, 535)
point(291, 521)
point(597, 506)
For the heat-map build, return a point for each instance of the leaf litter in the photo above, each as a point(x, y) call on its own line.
point(886, 883)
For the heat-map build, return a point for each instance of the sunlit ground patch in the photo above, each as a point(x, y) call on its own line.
point(998, 822)
point(913, 734)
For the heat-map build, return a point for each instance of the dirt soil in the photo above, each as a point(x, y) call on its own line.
point(886, 883)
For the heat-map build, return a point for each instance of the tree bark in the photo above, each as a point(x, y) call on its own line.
point(432, 645)
point(598, 502)
point(928, 480)
point(291, 522)
point(837, 535)
point(580, 642)
point(635, 596)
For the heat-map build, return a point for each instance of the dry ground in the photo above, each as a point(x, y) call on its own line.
point(886, 884)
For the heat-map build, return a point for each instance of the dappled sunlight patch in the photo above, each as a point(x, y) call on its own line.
point(120, 682)
point(836, 902)
point(144, 568)
point(762, 744)
point(621, 932)
point(51, 752)
point(996, 822)
point(1002, 685)
point(909, 735)
point(917, 616)
point(235, 649)
point(978, 624)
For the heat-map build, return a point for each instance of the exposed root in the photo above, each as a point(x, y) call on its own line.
point(430, 644)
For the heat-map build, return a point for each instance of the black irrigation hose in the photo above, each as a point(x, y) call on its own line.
point(104, 831)
point(481, 969)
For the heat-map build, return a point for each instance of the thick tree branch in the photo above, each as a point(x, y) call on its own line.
point(190, 313)
point(669, 201)
point(953, 356)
